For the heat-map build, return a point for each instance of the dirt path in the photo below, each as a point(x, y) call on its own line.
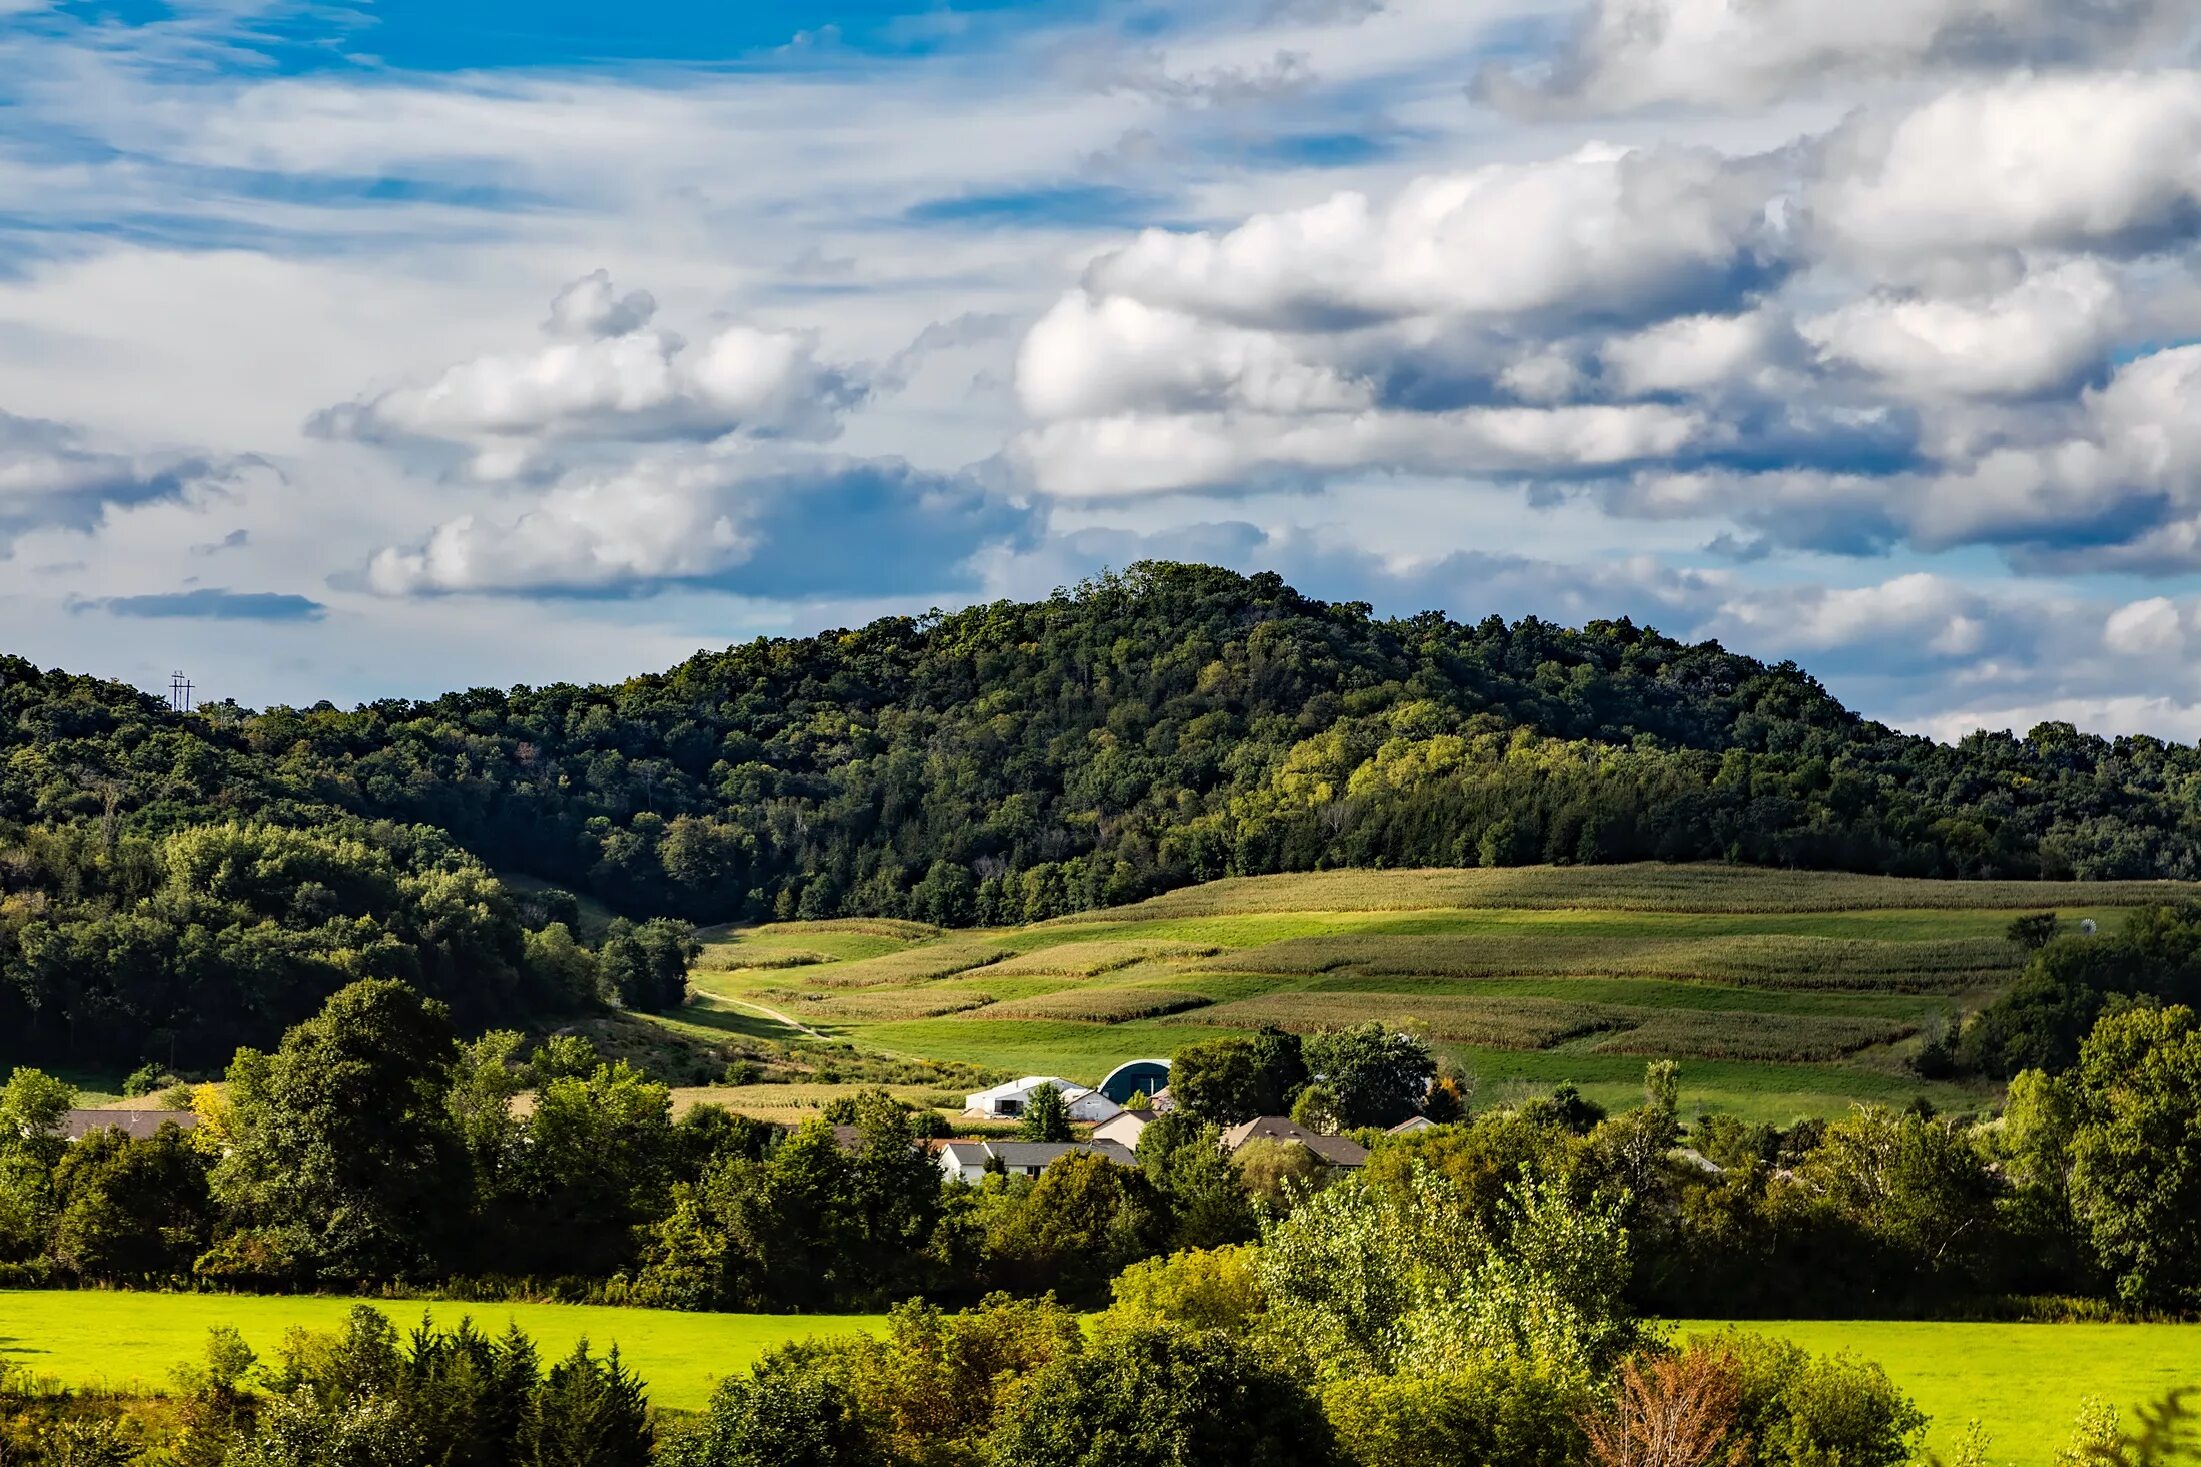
point(770, 1013)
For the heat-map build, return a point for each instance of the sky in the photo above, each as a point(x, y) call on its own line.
point(354, 349)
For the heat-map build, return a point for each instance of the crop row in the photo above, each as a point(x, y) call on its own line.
point(921, 964)
point(1091, 959)
point(1540, 1023)
point(1769, 961)
point(1100, 1005)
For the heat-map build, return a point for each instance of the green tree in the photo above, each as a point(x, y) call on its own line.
point(1158, 1396)
point(33, 1105)
point(131, 1209)
point(2135, 1181)
point(1378, 1074)
point(782, 1415)
point(1046, 1116)
point(346, 1160)
point(1084, 1218)
point(1237, 1079)
point(589, 1412)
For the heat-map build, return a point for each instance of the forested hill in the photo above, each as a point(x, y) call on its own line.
point(1012, 761)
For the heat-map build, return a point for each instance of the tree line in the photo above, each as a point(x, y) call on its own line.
point(1009, 762)
point(373, 1148)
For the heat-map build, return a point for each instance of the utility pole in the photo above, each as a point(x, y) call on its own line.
point(179, 693)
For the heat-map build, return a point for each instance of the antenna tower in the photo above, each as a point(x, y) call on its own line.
point(179, 693)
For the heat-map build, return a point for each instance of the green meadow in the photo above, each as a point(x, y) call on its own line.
point(132, 1342)
point(1782, 993)
point(2025, 1383)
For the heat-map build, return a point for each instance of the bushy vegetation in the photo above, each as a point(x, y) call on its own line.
point(173, 884)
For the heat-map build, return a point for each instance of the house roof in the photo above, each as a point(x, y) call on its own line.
point(1070, 1089)
point(136, 1124)
point(1336, 1150)
point(1023, 1154)
point(1043, 1153)
point(1143, 1117)
point(1410, 1125)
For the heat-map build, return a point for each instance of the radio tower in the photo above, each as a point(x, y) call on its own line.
point(179, 693)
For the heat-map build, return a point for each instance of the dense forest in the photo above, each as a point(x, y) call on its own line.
point(171, 884)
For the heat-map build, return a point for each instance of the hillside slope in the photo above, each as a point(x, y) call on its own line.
point(1782, 993)
point(1020, 761)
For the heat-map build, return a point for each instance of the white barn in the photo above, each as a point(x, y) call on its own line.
point(1007, 1102)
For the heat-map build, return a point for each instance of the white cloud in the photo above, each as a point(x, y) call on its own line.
point(2150, 628)
point(613, 376)
point(652, 521)
point(2107, 162)
point(1916, 613)
point(1631, 54)
point(1696, 353)
point(2040, 335)
point(1096, 357)
point(1601, 230)
point(1132, 454)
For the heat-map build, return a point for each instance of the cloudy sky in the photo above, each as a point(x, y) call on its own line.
point(358, 349)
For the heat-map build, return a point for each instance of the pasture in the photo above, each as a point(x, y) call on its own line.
point(1782, 993)
point(2024, 1382)
point(131, 1342)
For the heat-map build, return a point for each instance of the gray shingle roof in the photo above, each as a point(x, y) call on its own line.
point(138, 1124)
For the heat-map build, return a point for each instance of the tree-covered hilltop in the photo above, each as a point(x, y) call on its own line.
point(1012, 761)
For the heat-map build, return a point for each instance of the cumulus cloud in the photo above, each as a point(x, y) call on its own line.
point(2103, 162)
point(608, 374)
point(1629, 54)
point(2042, 335)
point(811, 529)
point(1131, 454)
point(1603, 231)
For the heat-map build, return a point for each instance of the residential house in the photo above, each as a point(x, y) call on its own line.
point(1338, 1151)
point(136, 1124)
point(1007, 1102)
point(969, 1161)
point(1126, 1127)
point(1412, 1126)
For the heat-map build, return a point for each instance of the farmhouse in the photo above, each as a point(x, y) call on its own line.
point(969, 1161)
point(138, 1125)
point(1007, 1102)
point(1339, 1151)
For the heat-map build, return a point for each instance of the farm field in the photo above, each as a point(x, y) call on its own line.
point(2025, 1383)
point(1782, 993)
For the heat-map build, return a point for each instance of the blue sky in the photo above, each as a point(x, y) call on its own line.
point(360, 349)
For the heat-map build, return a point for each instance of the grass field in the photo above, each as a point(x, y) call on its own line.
point(1782, 993)
point(131, 1341)
point(2025, 1383)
